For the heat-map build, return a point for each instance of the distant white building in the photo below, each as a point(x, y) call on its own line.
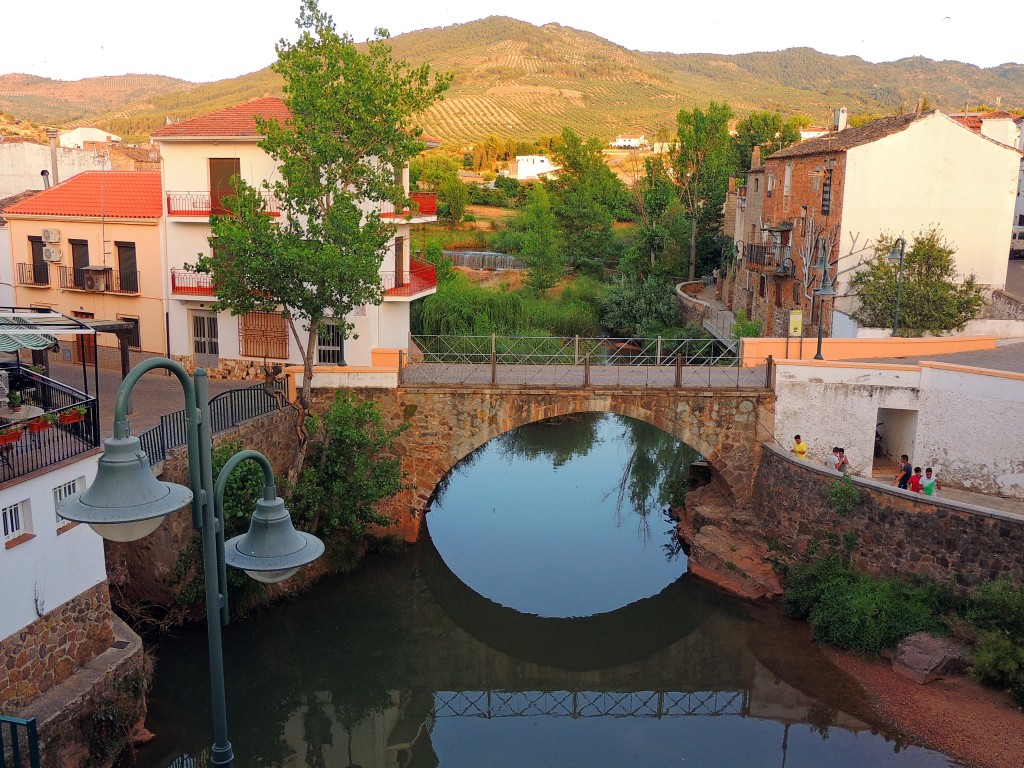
point(530, 167)
point(630, 141)
point(76, 138)
point(22, 162)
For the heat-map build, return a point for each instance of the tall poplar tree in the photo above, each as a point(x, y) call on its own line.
point(351, 132)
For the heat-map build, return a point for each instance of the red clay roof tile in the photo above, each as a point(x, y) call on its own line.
point(114, 194)
point(239, 120)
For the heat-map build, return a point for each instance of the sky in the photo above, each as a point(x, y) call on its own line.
point(204, 40)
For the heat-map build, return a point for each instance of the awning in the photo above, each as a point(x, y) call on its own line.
point(28, 329)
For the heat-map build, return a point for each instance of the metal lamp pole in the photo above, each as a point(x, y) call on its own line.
point(896, 255)
point(126, 502)
point(826, 291)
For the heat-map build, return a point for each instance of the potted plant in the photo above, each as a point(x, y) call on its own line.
point(10, 434)
point(73, 415)
point(44, 422)
point(36, 368)
point(14, 401)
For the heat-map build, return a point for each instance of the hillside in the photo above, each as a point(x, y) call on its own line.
point(516, 79)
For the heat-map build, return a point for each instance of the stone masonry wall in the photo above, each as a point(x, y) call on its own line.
point(229, 368)
point(50, 649)
point(1003, 306)
point(896, 532)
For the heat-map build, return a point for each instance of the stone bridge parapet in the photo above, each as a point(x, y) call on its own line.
point(447, 423)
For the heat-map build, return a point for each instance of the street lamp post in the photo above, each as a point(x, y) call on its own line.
point(826, 291)
point(896, 256)
point(126, 502)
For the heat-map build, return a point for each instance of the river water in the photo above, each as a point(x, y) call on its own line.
point(545, 619)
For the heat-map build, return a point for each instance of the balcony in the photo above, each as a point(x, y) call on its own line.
point(423, 209)
point(419, 279)
point(186, 283)
point(34, 275)
point(764, 258)
point(203, 204)
point(97, 279)
point(55, 423)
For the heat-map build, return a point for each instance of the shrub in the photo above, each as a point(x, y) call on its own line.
point(998, 606)
point(744, 327)
point(808, 581)
point(999, 661)
point(843, 495)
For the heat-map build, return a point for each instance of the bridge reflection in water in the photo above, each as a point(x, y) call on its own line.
point(491, 704)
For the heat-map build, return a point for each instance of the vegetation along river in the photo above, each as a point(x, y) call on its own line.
point(545, 619)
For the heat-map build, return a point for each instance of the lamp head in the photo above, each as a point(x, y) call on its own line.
point(125, 502)
point(826, 291)
point(898, 246)
point(272, 550)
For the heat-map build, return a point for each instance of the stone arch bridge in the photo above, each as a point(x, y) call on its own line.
point(448, 422)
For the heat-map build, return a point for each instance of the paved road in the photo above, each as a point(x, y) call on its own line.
point(1015, 278)
point(1007, 356)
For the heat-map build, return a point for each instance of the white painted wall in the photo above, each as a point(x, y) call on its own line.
point(21, 163)
point(968, 423)
point(77, 136)
point(6, 268)
point(44, 572)
point(935, 172)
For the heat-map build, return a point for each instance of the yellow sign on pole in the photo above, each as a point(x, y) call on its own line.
point(796, 323)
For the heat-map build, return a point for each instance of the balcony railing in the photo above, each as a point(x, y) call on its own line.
point(55, 431)
point(764, 258)
point(34, 274)
point(424, 205)
point(420, 277)
point(107, 280)
point(191, 283)
point(202, 203)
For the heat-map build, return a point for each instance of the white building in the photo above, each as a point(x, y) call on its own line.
point(1006, 129)
point(630, 141)
point(200, 156)
point(22, 164)
point(77, 137)
point(530, 167)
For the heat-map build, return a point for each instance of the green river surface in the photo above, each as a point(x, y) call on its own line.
point(545, 618)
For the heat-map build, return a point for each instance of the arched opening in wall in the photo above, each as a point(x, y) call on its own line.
point(567, 516)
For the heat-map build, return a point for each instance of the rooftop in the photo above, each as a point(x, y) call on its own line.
point(851, 137)
point(94, 194)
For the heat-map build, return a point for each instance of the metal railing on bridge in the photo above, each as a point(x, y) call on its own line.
point(580, 704)
point(227, 410)
point(19, 742)
point(544, 361)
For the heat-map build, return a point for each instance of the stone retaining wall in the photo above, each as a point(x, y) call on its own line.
point(896, 532)
point(1003, 306)
point(49, 650)
point(694, 310)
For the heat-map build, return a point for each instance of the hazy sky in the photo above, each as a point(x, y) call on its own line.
point(204, 40)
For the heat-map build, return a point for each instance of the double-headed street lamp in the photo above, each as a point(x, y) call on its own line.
point(896, 256)
point(826, 291)
point(126, 502)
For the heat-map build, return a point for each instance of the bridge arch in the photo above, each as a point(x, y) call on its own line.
point(447, 423)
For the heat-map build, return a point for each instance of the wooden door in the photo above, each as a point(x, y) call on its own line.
point(85, 346)
point(222, 170)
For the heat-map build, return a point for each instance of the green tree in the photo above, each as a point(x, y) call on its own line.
point(767, 130)
point(453, 197)
point(933, 298)
point(703, 160)
point(351, 130)
point(634, 307)
point(439, 168)
point(540, 246)
point(352, 467)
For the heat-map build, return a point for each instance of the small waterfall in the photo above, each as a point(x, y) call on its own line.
point(484, 260)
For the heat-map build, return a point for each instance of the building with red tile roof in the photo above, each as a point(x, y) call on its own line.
point(98, 194)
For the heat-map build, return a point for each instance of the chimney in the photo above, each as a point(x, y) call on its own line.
point(51, 134)
point(839, 118)
point(46, 178)
point(755, 158)
point(920, 104)
point(732, 184)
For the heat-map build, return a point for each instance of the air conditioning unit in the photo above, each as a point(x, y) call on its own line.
point(51, 254)
point(51, 235)
point(95, 281)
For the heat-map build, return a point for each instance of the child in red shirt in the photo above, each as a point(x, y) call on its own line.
point(914, 483)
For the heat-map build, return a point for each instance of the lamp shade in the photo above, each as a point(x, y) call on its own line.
point(826, 291)
point(272, 550)
point(896, 254)
point(125, 502)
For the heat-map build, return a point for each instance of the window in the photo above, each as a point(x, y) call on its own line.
point(762, 287)
point(1020, 219)
point(63, 491)
point(770, 186)
point(816, 179)
point(330, 343)
point(222, 170)
point(16, 521)
point(263, 334)
point(79, 260)
point(757, 184)
point(127, 269)
point(787, 181)
point(40, 269)
point(134, 338)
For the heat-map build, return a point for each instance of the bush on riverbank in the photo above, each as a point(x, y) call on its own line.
point(853, 611)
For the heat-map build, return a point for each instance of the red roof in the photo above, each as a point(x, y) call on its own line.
point(240, 120)
point(114, 194)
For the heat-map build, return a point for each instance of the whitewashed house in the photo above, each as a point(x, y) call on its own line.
point(77, 138)
point(200, 156)
point(530, 167)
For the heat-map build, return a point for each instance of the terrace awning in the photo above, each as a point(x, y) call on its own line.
point(27, 329)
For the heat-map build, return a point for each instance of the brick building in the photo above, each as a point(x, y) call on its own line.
point(838, 193)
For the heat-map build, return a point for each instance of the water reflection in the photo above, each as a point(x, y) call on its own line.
point(555, 518)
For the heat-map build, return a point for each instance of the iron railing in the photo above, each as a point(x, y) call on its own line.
point(582, 704)
point(203, 203)
point(421, 276)
point(100, 280)
point(22, 739)
point(227, 410)
point(424, 204)
point(64, 423)
point(184, 281)
point(33, 274)
point(578, 362)
point(765, 257)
